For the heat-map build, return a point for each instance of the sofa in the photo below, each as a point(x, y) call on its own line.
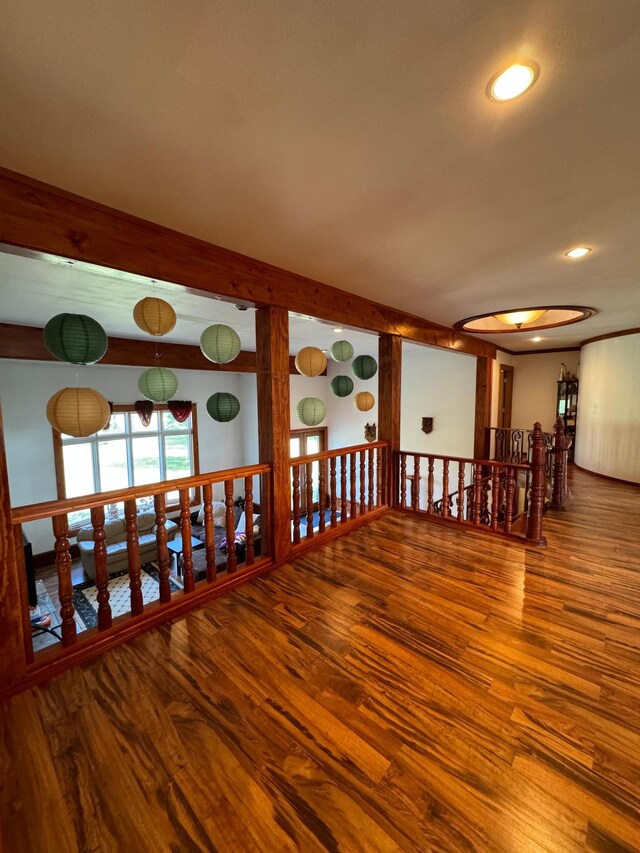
point(115, 532)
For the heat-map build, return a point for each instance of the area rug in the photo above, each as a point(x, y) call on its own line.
point(41, 639)
point(85, 595)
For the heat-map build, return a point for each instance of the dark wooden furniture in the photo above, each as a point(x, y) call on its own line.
point(567, 409)
point(176, 546)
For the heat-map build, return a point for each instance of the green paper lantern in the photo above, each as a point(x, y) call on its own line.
point(341, 351)
point(220, 344)
point(75, 338)
point(311, 411)
point(223, 407)
point(158, 384)
point(342, 386)
point(365, 366)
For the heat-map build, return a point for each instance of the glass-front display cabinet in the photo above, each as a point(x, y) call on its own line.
point(567, 409)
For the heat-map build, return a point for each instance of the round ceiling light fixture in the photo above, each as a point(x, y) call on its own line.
point(524, 319)
point(513, 81)
point(578, 252)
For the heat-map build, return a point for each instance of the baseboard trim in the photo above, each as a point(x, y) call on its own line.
point(607, 477)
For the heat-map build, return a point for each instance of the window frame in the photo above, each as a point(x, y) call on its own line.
point(125, 408)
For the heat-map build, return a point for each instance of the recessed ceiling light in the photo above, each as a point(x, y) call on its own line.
point(578, 252)
point(513, 81)
point(338, 329)
point(536, 340)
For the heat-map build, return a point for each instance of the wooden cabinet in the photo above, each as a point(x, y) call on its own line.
point(567, 409)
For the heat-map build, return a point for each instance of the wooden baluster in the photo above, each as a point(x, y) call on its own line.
point(187, 547)
point(248, 514)
point(403, 479)
point(557, 501)
point(495, 496)
point(379, 492)
point(296, 504)
point(65, 587)
point(415, 489)
point(159, 505)
point(536, 504)
point(370, 479)
point(343, 488)
point(445, 488)
point(230, 526)
point(363, 482)
point(309, 497)
point(332, 490)
point(102, 574)
point(322, 497)
point(133, 556)
point(477, 493)
point(460, 514)
point(430, 486)
point(509, 492)
point(209, 534)
point(352, 485)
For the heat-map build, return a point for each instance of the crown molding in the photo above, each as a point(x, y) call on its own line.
point(611, 335)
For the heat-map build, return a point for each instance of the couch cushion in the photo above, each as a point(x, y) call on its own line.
point(146, 520)
point(114, 530)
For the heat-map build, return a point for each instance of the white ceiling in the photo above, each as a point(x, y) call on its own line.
point(32, 291)
point(352, 141)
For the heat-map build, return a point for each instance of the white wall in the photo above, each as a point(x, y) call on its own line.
point(608, 423)
point(25, 388)
point(441, 384)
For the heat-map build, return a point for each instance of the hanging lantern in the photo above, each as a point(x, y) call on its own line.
point(311, 411)
point(364, 401)
point(154, 316)
point(220, 344)
point(365, 366)
point(341, 351)
point(75, 338)
point(342, 386)
point(78, 411)
point(311, 361)
point(223, 406)
point(158, 384)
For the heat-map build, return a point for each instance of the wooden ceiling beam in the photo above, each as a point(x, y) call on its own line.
point(26, 343)
point(46, 220)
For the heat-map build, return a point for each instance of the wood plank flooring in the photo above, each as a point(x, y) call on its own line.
point(405, 688)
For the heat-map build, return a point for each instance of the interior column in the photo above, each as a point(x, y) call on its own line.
point(272, 345)
point(484, 378)
point(389, 385)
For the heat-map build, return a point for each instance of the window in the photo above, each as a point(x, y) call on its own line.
point(127, 453)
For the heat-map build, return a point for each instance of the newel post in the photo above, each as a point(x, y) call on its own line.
point(538, 487)
point(559, 468)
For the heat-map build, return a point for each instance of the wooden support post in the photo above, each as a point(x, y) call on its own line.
point(538, 483)
point(272, 344)
point(559, 494)
point(389, 384)
point(484, 374)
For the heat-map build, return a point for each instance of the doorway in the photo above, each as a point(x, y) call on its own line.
point(505, 396)
point(308, 442)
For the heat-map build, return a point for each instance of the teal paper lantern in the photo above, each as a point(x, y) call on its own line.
point(158, 384)
point(341, 351)
point(220, 344)
point(75, 338)
point(311, 411)
point(365, 366)
point(342, 386)
point(223, 407)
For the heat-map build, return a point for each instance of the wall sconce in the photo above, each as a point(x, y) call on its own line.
point(427, 425)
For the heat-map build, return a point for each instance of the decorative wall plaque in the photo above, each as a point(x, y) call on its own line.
point(427, 425)
point(370, 432)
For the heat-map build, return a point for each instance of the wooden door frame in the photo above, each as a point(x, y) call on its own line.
point(505, 403)
point(324, 432)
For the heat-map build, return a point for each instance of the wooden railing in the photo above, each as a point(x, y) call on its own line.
point(501, 497)
point(516, 445)
point(335, 487)
point(233, 566)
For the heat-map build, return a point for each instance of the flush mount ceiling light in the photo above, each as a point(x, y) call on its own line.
point(537, 339)
point(513, 81)
point(337, 329)
point(524, 319)
point(578, 252)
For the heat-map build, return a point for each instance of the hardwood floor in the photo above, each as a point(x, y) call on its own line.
point(406, 688)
